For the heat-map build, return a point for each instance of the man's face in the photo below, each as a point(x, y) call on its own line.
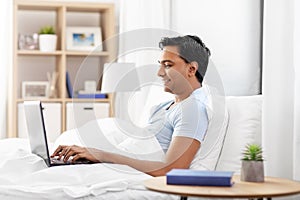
point(173, 70)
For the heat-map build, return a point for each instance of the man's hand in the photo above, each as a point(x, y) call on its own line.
point(77, 153)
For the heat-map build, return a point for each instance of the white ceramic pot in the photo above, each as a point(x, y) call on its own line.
point(47, 42)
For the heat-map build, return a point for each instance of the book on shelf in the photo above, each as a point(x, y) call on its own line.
point(69, 85)
point(199, 177)
point(89, 95)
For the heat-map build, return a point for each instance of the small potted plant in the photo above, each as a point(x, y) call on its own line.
point(47, 39)
point(252, 164)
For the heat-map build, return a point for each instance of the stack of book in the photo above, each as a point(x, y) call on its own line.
point(83, 94)
point(199, 177)
point(88, 95)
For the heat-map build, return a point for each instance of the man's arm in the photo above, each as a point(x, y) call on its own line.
point(179, 155)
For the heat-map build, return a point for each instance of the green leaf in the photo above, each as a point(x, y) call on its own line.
point(47, 30)
point(253, 152)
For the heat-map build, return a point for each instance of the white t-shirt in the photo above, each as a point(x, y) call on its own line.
point(187, 118)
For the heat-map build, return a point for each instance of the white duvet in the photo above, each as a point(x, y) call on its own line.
point(26, 176)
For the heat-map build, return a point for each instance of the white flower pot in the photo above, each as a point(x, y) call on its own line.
point(47, 42)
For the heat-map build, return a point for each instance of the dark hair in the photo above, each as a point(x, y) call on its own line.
point(191, 48)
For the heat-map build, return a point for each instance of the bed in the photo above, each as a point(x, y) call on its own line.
point(26, 176)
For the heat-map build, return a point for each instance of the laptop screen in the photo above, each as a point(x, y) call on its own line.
point(36, 129)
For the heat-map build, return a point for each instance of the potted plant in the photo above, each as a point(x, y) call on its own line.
point(47, 39)
point(252, 164)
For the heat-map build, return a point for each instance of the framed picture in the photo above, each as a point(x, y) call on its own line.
point(84, 38)
point(35, 89)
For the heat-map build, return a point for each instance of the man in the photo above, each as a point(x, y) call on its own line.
point(179, 125)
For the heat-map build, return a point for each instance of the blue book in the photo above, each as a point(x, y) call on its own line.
point(92, 96)
point(199, 177)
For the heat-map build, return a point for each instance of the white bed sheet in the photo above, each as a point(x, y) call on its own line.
point(26, 176)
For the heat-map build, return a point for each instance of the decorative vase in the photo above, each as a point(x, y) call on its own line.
point(47, 42)
point(252, 171)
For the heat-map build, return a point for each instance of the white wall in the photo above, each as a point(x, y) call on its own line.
point(231, 29)
point(278, 87)
point(5, 59)
point(296, 138)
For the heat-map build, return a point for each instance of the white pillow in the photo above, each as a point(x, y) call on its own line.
point(209, 153)
point(114, 135)
point(100, 133)
point(244, 127)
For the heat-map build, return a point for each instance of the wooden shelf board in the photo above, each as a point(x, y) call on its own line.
point(96, 7)
point(76, 100)
point(87, 53)
point(42, 100)
point(38, 53)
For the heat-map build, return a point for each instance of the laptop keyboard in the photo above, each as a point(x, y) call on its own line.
point(56, 161)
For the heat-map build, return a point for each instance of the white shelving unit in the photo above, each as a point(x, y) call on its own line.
point(33, 65)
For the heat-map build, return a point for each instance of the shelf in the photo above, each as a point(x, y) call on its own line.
point(33, 65)
point(38, 6)
point(71, 6)
point(67, 100)
point(57, 53)
point(75, 100)
point(87, 53)
point(88, 8)
point(42, 100)
point(38, 53)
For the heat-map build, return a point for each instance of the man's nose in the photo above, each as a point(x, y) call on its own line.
point(161, 71)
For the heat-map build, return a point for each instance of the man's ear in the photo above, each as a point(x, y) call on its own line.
point(193, 68)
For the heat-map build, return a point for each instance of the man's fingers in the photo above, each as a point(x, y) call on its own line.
point(70, 152)
point(63, 152)
point(66, 152)
point(76, 157)
point(58, 149)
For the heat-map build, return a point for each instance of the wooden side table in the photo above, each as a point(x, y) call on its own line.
point(272, 187)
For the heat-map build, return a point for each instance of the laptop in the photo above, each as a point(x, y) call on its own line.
point(37, 134)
